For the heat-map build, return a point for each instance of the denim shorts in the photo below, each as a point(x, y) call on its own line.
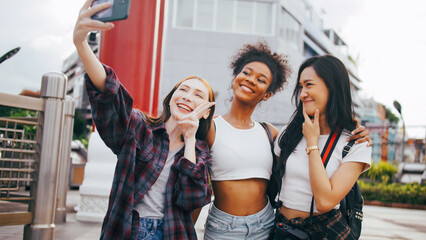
point(150, 229)
point(222, 225)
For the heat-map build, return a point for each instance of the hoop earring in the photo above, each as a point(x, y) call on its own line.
point(228, 100)
point(230, 93)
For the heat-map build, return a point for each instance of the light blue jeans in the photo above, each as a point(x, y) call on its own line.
point(150, 229)
point(221, 225)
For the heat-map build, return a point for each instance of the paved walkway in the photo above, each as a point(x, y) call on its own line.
point(379, 223)
point(393, 223)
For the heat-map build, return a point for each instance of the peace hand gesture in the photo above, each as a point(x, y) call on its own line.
point(188, 125)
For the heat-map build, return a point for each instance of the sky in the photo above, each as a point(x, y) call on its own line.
point(386, 37)
point(43, 29)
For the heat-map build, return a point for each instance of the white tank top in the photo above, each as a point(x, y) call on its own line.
point(153, 203)
point(296, 192)
point(240, 153)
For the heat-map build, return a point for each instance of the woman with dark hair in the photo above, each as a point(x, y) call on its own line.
point(323, 107)
point(162, 162)
point(241, 152)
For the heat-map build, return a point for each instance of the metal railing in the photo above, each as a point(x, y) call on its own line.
point(17, 157)
point(17, 167)
point(34, 167)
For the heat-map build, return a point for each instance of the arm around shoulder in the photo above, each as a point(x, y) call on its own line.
point(361, 153)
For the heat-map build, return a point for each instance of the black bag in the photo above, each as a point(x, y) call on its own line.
point(351, 205)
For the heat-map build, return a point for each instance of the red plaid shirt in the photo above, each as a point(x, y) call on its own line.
point(142, 150)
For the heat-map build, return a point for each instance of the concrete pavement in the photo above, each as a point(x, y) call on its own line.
point(393, 223)
point(379, 223)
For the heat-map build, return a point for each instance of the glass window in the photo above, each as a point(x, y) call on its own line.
point(264, 18)
point(185, 13)
point(240, 16)
point(225, 11)
point(244, 17)
point(290, 29)
point(308, 51)
point(205, 12)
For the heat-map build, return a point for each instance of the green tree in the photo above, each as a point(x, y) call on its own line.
point(16, 112)
point(390, 116)
point(20, 113)
point(82, 128)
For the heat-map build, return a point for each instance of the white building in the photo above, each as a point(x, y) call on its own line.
point(200, 37)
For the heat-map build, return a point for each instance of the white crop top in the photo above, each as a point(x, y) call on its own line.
point(240, 153)
point(296, 192)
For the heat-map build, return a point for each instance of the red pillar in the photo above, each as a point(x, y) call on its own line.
point(133, 49)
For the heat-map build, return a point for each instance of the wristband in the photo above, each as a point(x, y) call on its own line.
point(309, 149)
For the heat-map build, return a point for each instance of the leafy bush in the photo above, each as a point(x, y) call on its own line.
point(16, 112)
point(82, 129)
point(381, 171)
point(412, 193)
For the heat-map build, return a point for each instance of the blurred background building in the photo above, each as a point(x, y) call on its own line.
point(201, 36)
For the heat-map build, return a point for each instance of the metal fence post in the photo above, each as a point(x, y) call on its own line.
point(64, 168)
point(42, 226)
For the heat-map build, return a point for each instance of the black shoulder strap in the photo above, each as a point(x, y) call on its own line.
point(268, 132)
point(347, 148)
point(275, 180)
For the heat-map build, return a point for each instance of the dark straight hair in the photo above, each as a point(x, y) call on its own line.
point(204, 125)
point(339, 109)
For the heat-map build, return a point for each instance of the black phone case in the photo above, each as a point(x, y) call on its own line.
point(120, 11)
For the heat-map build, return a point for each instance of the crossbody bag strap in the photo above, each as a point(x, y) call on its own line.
point(325, 156)
point(330, 145)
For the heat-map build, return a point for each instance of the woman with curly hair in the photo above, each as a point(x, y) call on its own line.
point(241, 151)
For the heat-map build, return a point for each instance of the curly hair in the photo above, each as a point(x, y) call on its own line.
point(261, 52)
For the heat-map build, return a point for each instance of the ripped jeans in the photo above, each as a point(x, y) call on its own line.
point(150, 229)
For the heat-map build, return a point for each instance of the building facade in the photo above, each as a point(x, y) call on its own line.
point(74, 69)
point(201, 36)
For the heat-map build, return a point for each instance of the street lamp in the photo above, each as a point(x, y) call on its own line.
point(9, 54)
point(399, 109)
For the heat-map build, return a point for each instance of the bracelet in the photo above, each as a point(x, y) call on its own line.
point(309, 149)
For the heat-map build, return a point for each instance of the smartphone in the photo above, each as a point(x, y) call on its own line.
point(119, 10)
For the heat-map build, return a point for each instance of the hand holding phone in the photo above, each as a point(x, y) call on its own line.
point(119, 10)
